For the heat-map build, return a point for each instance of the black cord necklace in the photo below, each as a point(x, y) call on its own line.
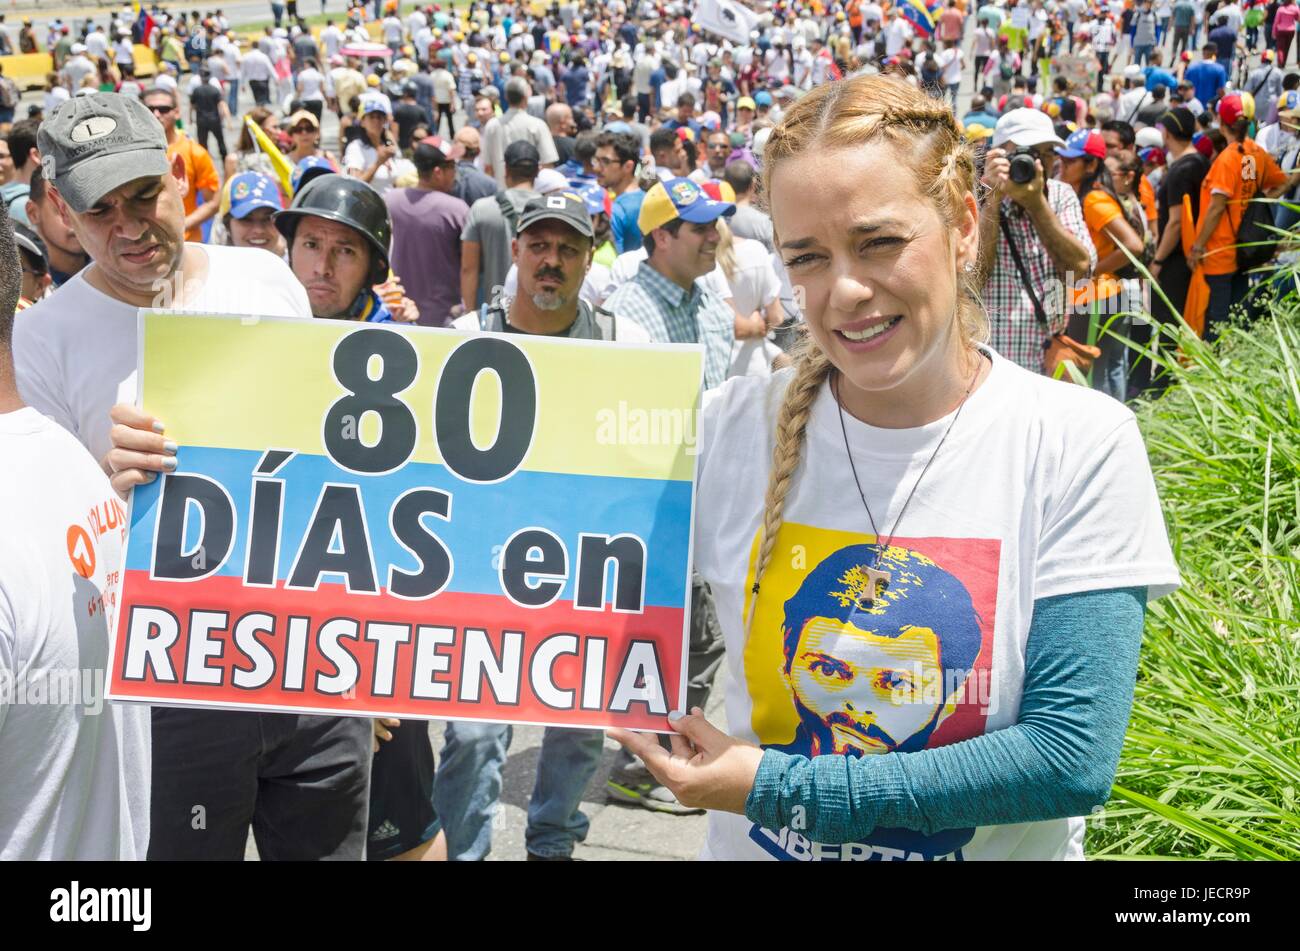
point(878, 580)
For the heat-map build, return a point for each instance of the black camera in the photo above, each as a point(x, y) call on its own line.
point(1024, 166)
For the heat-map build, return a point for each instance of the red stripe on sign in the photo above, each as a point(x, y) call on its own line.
point(472, 656)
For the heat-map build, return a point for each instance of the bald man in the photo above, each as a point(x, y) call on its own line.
point(471, 183)
point(559, 119)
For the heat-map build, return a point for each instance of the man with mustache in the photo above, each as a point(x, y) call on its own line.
point(299, 782)
point(552, 250)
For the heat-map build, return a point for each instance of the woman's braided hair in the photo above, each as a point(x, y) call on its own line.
point(849, 114)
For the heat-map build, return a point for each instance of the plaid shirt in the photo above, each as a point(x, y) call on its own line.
point(1016, 331)
point(672, 315)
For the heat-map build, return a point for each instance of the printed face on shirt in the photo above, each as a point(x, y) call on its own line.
point(865, 690)
point(877, 266)
point(871, 663)
point(333, 263)
point(136, 233)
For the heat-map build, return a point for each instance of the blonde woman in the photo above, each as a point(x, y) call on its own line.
point(930, 565)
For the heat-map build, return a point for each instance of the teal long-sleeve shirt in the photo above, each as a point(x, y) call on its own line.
point(1059, 758)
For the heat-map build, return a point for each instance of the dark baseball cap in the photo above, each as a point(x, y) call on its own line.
point(566, 207)
point(521, 154)
point(94, 144)
point(1180, 121)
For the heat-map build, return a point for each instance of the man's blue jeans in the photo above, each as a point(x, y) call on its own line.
point(468, 785)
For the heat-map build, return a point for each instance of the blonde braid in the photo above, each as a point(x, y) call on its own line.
point(796, 406)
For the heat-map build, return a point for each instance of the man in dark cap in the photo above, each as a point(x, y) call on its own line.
point(490, 227)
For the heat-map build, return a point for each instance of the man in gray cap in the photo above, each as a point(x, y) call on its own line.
point(108, 179)
point(105, 159)
point(552, 249)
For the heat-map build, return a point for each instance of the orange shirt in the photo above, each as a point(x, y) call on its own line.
point(1240, 172)
point(200, 174)
point(1147, 196)
point(1099, 210)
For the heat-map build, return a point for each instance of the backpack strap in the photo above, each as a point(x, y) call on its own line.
point(507, 210)
point(604, 322)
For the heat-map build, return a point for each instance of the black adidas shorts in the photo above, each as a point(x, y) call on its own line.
point(401, 793)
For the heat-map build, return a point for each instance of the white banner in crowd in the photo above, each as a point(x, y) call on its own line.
point(727, 18)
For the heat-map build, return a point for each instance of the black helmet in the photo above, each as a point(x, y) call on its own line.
point(349, 201)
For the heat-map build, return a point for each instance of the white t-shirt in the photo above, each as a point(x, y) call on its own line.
point(76, 774)
point(311, 84)
point(75, 351)
point(360, 155)
point(950, 63)
point(754, 285)
point(53, 99)
point(331, 39)
point(1041, 488)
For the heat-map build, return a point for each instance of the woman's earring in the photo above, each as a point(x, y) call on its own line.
point(969, 267)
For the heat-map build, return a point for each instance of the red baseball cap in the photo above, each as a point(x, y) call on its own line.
point(1231, 108)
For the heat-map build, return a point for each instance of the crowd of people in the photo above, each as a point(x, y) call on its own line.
point(608, 171)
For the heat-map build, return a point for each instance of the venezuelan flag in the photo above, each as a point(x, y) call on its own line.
point(917, 14)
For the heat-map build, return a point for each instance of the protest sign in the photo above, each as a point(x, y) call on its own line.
point(412, 523)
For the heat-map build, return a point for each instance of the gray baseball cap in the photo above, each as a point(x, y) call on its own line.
point(561, 206)
point(94, 144)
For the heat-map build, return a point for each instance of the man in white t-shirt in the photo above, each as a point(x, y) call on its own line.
point(75, 357)
point(76, 771)
point(331, 39)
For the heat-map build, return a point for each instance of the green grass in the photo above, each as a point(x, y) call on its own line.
point(1211, 763)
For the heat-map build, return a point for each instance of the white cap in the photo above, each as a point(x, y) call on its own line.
point(1025, 127)
point(549, 180)
point(78, 48)
point(1132, 71)
point(1150, 137)
point(760, 141)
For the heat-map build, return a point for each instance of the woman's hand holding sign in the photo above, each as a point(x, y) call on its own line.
point(140, 450)
point(706, 769)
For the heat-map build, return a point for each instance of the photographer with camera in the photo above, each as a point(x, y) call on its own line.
point(1034, 243)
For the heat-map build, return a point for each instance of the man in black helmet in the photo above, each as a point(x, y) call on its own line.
point(339, 232)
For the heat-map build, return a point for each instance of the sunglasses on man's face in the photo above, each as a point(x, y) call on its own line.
point(160, 110)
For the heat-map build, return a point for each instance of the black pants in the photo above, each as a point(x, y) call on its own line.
point(206, 127)
point(447, 109)
point(261, 91)
point(301, 783)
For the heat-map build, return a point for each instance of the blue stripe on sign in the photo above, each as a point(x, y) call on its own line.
point(483, 517)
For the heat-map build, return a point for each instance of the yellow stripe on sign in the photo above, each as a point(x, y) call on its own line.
point(241, 383)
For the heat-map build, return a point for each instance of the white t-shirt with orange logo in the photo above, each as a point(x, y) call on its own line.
point(75, 770)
